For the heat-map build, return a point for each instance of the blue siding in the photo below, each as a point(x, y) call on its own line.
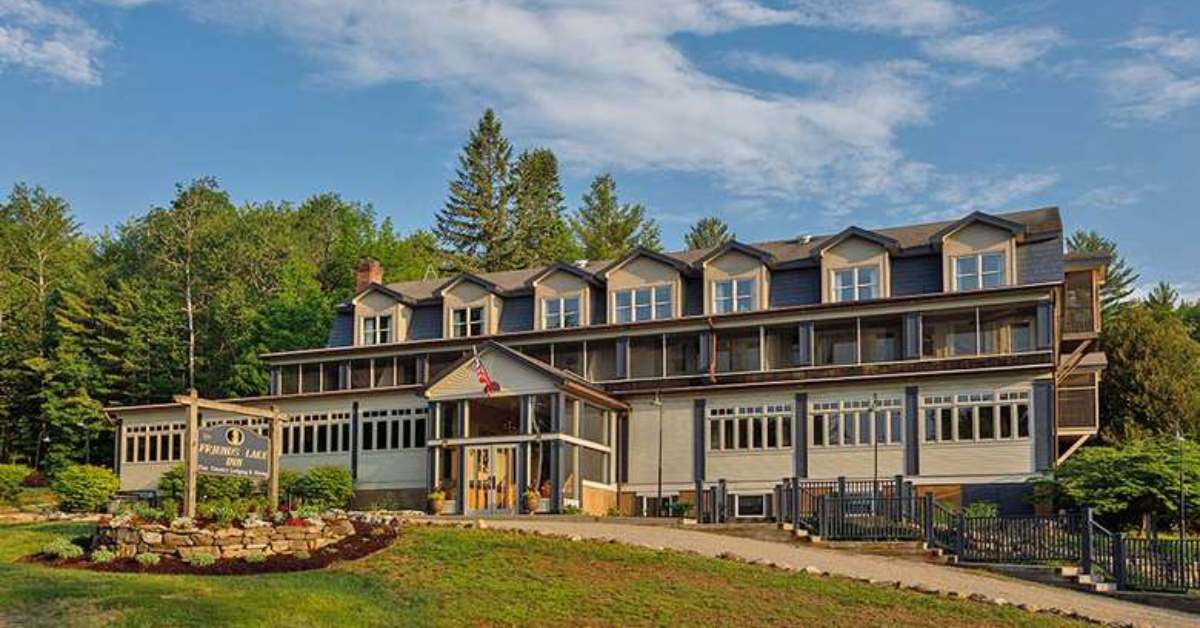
point(1040, 262)
point(693, 296)
point(599, 305)
point(516, 314)
point(341, 332)
point(921, 274)
point(426, 322)
point(795, 287)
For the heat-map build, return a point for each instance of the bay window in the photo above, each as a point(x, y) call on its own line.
point(642, 304)
point(466, 322)
point(979, 271)
point(733, 295)
point(859, 283)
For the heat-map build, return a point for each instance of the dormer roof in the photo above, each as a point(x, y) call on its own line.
point(891, 244)
point(641, 251)
point(566, 268)
point(382, 289)
point(468, 277)
point(734, 245)
point(1014, 228)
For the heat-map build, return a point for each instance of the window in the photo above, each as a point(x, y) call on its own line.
point(683, 354)
point(737, 350)
point(1006, 330)
point(360, 373)
point(601, 360)
point(783, 347)
point(331, 379)
point(385, 372)
point(560, 312)
point(733, 295)
point(466, 322)
point(981, 416)
point(319, 433)
point(310, 378)
point(643, 304)
point(749, 428)
point(859, 283)
point(836, 342)
point(568, 356)
point(376, 330)
point(749, 506)
point(880, 338)
point(392, 429)
point(646, 356)
point(856, 423)
point(154, 443)
point(289, 379)
point(981, 270)
point(949, 335)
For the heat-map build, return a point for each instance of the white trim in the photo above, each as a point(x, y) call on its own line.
point(737, 505)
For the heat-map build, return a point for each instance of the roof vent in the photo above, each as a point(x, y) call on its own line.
point(580, 263)
point(805, 239)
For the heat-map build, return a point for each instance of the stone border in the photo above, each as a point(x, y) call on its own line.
point(184, 540)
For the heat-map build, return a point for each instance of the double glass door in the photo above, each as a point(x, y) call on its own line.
point(492, 479)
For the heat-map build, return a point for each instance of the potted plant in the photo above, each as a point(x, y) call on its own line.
point(532, 500)
point(436, 499)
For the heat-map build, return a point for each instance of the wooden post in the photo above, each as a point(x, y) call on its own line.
point(276, 447)
point(191, 453)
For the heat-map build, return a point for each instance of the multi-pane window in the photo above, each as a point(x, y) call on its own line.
point(749, 428)
point(154, 443)
point(849, 423)
point(859, 283)
point(733, 295)
point(980, 416)
point(398, 428)
point(376, 330)
point(980, 270)
point(560, 312)
point(466, 321)
point(317, 433)
point(750, 506)
point(642, 304)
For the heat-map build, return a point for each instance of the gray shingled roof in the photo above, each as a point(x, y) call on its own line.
point(909, 236)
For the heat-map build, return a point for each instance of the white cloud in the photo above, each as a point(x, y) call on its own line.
point(1108, 197)
point(48, 40)
point(1159, 81)
point(958, 195)
point(1005, 49)
point(604, 84)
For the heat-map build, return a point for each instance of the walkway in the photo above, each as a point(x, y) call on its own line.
point(843, 563)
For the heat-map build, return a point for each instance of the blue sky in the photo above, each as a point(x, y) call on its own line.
point(782, 117)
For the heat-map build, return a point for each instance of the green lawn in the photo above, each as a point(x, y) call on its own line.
point(441, 576)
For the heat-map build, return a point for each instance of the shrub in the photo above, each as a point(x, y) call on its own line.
point(208, 487)
point(12, 476)
point(982, 509)
point(35, 479)
point(201, 560)
point(255, 558)
point(84, 488)
point(148, 559)
point(289, 484)
point(302, 555)
point(327, 487)
point(103, 556)
point(62, 548)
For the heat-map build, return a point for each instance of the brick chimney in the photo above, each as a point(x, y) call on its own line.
point(367, 272)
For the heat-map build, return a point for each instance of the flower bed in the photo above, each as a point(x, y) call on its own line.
point(127, 537)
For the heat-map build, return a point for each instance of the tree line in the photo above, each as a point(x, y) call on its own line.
point(190, 292)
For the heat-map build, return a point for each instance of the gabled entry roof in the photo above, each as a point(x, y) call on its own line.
point(516, 374)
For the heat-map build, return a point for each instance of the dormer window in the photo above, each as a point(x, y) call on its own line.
point(643, 304)
point(858, 283)
point(733, 295)
point(981, 270)
point(560, 312)
point(466, 322)
point(376, 330)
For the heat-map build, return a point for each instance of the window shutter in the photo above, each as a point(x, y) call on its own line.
point(912, 336)
point(622, 355)
point(803, 356)
point(1045, 326)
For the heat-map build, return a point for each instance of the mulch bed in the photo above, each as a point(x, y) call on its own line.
point(367, 540)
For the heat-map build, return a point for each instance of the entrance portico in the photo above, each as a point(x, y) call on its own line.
point(537, 428)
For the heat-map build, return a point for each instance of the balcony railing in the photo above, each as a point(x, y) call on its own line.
point(1077, 408)
point(1079, 311)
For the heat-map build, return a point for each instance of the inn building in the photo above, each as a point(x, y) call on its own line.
point(960, 354)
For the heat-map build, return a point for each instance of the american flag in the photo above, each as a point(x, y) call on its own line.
point(482, 375)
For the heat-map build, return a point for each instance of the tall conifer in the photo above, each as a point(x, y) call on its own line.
point(607, 229)
point(473, 227)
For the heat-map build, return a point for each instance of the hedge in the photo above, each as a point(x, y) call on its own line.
point(84, 488)
point(11, 478)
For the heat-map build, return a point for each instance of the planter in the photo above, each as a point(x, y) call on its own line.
point(533, 502)
point(436, 504)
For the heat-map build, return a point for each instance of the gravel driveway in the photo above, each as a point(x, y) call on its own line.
point(907, 572)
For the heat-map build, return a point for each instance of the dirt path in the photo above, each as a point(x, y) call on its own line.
point(907, 572)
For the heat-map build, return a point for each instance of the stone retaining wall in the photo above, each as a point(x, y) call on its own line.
point(127, 539)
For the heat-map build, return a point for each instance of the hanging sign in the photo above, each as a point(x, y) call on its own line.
point(233, 450)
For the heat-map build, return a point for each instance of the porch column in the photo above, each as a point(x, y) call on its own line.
point(556, 475)
point(912, 432)
point(1042, 408)
point(354, 440)
point(523, 451)
point(800, 435)
point(698, 455)
point(460, 430)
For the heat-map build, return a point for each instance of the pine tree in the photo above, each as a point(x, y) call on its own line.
point(538, 225)
point(706, 233)
point(474, 228)
point(1163, 298)
point(607, 229)
point(71, 386)
point(1120, 280)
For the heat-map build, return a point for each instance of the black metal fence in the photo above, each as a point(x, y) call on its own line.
point(796, 500)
